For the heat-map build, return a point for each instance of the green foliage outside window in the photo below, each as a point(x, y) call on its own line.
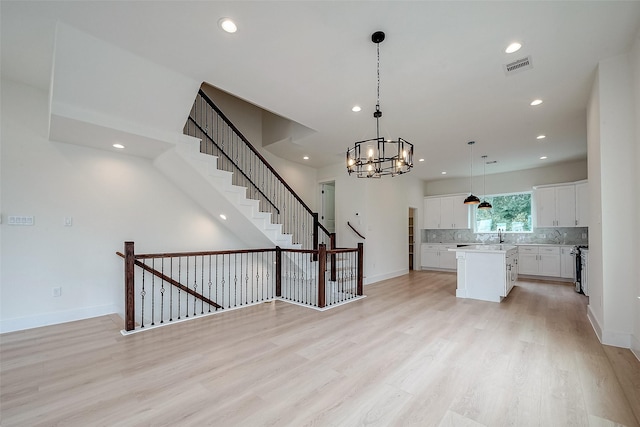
point(510, 213)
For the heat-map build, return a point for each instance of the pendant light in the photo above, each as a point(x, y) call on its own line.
point(484, 204)
point(379, 156)
point(471, 199)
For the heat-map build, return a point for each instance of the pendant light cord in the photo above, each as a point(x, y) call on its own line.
point(378, 113)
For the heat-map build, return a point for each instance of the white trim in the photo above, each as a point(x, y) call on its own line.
point(594, 323)
point(616, 339)
point(381, 277)
point(226, 310)
point(54, 318)
point(635, 347)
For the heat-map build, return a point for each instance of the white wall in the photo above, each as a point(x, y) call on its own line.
point(618, 202)
point(112, 197)
point(596, 306)
point(379, 210)
point(635, 64)
point(511, 182)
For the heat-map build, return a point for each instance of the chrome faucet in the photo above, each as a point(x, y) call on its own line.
point(500, 236)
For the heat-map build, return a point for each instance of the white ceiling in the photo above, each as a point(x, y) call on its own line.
point(442, 81)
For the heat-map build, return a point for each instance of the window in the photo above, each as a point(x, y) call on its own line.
point(510, 213)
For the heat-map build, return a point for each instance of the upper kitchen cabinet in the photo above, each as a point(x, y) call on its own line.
point(446, 212)
point(582, 204)
point(555, 206)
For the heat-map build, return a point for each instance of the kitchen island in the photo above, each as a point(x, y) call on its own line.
point(486, 272)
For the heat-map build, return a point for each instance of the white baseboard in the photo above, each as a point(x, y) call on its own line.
point(613, 338)
point(635, 346)
point(380, 277)
point(53, 318)
point(595, 324)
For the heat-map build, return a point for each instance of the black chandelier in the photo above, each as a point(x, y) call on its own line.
point(373, 158)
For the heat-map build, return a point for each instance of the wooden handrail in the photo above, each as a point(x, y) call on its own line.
point(234, 164)
point(173, 282)
point(204, 253)
point(354, 230)
point(252, 148)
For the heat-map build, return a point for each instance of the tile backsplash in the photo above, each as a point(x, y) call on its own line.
point(555, 236)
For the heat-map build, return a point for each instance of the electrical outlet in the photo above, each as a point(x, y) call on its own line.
point(584, 235)
point(56, 292)
point(68, 221)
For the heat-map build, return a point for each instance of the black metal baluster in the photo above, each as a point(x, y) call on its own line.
point(162, 293)
point(142, 294)
point(222, 283)
point(153, 292)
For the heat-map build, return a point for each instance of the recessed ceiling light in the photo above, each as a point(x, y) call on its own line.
point(306, 157)
point(421, 160)
point(356, 108)
point(443, 172)
point(119, 146)
point(536, 102)
point(513, 47)
point(543, 157)
point(227, 25)
point(541, 136)
point(223, 216)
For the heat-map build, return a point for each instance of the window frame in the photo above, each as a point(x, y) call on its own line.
point(531, 213)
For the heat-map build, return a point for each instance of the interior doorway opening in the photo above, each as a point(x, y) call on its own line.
point(328, 205)
point(411, 239)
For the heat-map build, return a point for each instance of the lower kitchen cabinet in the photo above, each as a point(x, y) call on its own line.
point(539, 260)
point(567, 262)
point(437, 256)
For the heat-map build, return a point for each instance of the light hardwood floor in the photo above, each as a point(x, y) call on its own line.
point(410, 354)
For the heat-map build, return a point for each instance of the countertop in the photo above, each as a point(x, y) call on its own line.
point(494, 244)
point(497, 248)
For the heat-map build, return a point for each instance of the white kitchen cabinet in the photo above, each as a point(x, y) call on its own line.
point(582, 204)
point(567, 262)
point(555, 206)
point(511, 271)
point(486, 273)
point(446, 212)
point(528, 260)
point(438, 256)
point(539, 260)
point(432, 212)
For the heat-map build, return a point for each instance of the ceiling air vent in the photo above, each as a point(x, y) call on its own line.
point(518, 65)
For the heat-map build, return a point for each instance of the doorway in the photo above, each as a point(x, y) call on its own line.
point(328, 205)
point(411, 239)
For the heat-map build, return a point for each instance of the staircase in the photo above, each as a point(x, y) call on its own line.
point(197, 175)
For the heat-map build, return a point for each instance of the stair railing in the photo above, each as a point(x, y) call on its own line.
point(170, 287)
point(251, 170)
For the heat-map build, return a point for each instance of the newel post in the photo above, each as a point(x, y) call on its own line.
point(278, 271)
point(332, 240)
point(129, 287)
point(315, 234)
point(322, 265)
point(360, 268)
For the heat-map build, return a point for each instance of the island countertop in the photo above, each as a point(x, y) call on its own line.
point(498, 248)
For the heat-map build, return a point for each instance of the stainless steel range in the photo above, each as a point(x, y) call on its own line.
point(581, 255)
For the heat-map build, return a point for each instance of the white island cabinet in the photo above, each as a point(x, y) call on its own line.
point(486, 272)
